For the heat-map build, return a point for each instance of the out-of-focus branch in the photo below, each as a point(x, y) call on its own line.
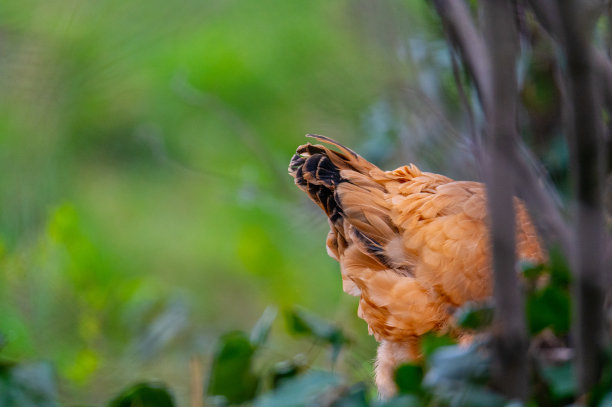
point(586, 155)
point(531, 184)
point(548, 14)
point(475, 135)
point(462, 32)
point(604, 68)
point(509, 369)
point(533, 187)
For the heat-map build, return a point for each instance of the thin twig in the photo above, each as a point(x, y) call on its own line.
point(476, 139)
point(196, 380)
point(461, 29)
point(426, 101)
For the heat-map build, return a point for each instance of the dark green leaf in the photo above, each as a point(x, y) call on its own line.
point(408, 379)
point(606, 401)
point(144, 395)
point(560, 380)
point(457, 364)
point(456, 373)
point(532, 271)
point(560, 272)
point(430, 342)
point(474, 316)
point(469, 395)
point(355, 396)
point(261, 330)
point(302, 322)
point(286, 369)
point(406, 400)
point(549, 307)
point(231, 373)
point(304, 390)
point(27, 385)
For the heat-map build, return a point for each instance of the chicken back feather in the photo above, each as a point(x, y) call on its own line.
point(412, 245)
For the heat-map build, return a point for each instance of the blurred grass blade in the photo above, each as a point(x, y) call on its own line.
point(261, 330)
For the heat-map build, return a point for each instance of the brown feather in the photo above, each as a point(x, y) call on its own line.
point(412, 245)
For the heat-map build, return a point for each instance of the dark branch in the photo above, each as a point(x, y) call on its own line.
point(461, 30)
point(510, 341)
point(548, 14)
point(586, 156)
point(531, 184)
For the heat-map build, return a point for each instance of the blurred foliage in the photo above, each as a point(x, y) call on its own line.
point(303, 323)
point(144, 394)
point(231, 372)
point(474, 316)
point(145, 208)
point(27, 385)
point(450, 374)
point(143, 153)
point(548, 305)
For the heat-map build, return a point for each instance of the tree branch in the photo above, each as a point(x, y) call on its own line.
point(548, 14)
point(586, 156)
point(531, 184)
point(461, 30)
point(509, 369)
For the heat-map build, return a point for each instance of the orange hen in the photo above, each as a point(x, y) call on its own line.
point(412, 245)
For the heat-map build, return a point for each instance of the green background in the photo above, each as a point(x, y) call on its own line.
point(145, 205)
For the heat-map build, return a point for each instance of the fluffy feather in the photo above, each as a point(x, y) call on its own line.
point(412, 245)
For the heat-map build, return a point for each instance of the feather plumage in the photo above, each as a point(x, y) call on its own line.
point(412, 245)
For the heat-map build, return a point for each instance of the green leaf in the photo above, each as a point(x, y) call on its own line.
point(560, 272)
point(474, 315)
point(405, 400)
point(144, 395)
point(431, 342)
point(549, 307)
point(474, 396)
point(457, 364)
point(304, 390)
point(261, 330)
point(231, 373)
point(408, 379)
point(355, 396)
point(456, 376)
point(286, 369)
point(560, 380)
point(531, 271)
point(606, 401)
point(27, 385)
point(302, 322)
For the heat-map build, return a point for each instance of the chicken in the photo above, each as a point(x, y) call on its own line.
point(412, 245)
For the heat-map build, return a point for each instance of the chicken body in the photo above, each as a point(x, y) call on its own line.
point(412, 245)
